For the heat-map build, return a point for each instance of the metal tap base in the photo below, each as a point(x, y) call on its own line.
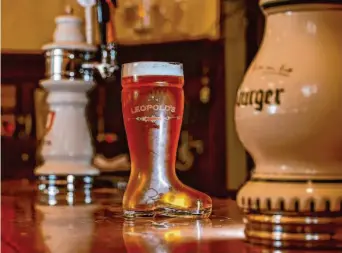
point(317, 230)
point(65, 190)
point(293, 213)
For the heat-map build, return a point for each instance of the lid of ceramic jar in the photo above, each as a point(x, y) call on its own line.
point(274, 3)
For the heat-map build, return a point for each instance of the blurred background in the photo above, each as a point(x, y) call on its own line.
point(214, 39)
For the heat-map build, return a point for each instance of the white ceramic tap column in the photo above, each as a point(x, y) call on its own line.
point(67, 146)
point(289, 117)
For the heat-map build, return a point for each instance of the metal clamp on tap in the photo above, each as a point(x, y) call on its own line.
point(106, 67)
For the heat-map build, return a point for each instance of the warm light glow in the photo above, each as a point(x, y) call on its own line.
point(309, 190)
point(141, 11)
point(180, 199)
point(172, 235)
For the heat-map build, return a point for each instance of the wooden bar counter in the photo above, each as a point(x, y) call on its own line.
point(31, 227)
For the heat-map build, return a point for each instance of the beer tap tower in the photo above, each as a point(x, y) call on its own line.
point(67, 146)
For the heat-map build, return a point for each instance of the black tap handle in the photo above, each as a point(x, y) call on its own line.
point(103, 16)
point(115, 3)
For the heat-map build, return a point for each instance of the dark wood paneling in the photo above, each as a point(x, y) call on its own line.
point(21, 66)
point(23, 70)
point(203, 122)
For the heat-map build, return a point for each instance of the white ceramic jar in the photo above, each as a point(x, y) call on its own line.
point(289, 116)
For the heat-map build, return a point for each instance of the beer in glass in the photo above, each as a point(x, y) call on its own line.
point(152, 105)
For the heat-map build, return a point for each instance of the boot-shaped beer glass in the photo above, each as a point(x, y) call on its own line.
point(152, 104)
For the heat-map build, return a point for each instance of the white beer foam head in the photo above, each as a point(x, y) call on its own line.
point(152, 68)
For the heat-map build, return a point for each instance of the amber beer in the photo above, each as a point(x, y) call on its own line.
point(152, 104)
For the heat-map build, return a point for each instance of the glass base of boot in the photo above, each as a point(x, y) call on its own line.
point(169, 212)
point(187, 203)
